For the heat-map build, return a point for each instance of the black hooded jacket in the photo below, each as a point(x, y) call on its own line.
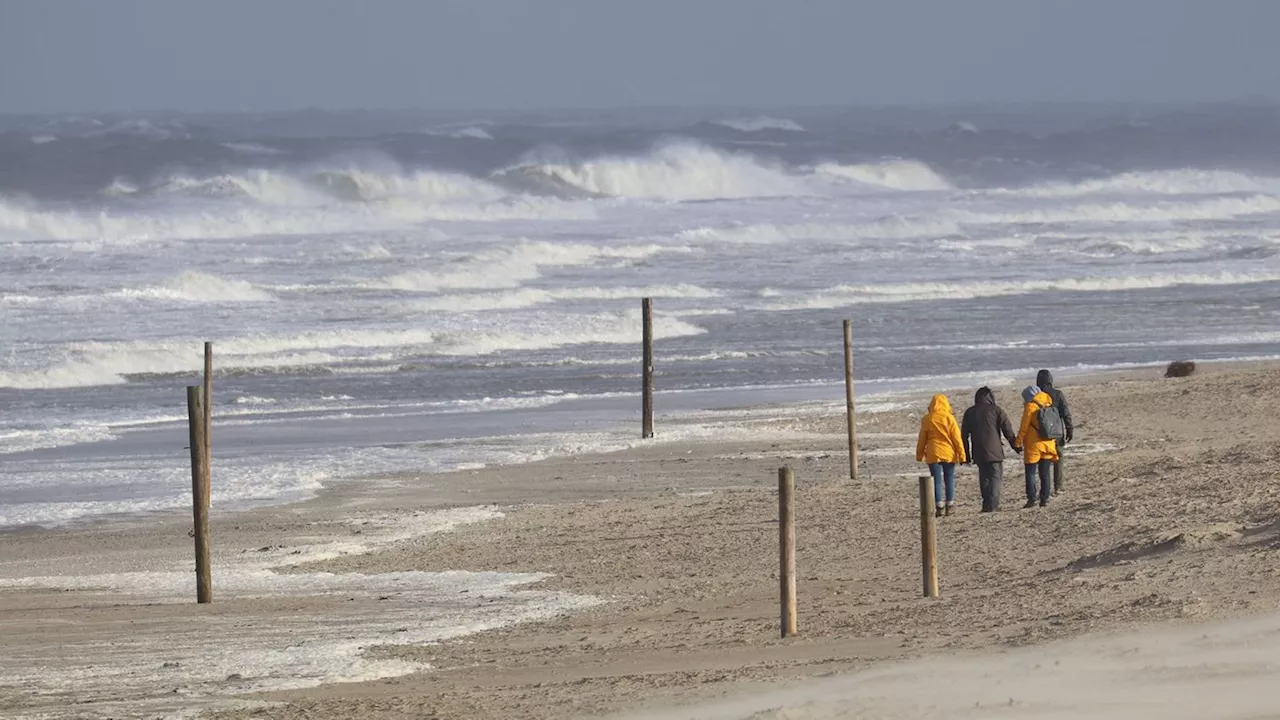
point(982, 427)
point(1044, 379)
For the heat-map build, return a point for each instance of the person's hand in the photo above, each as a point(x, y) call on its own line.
point(1017, 449)
point(1070, 434)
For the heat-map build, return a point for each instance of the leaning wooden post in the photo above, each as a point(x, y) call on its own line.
point(786, 551)
point(848, 399)
point(646, 402)
point(199, 491)
point(928, 538)
point(208, 422)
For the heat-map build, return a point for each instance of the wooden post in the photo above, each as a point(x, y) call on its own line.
point(646, 401)
point(208, 422)
point(199, 491)
point(786, 551)
point(848, 399)
point(928, 538)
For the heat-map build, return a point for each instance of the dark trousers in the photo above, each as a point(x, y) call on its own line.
point(1044, 469)
point(990, 484)
point(1059, 477)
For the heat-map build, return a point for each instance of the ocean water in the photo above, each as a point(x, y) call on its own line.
point(417, 291)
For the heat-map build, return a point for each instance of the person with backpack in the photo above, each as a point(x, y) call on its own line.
point(981, 430)
point(1042, 426)
point(939, 444)
point(1044, 380)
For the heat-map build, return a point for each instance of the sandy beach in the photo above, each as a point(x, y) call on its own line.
point(643, 583)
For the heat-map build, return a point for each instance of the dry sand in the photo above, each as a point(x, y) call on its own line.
point(663, 589)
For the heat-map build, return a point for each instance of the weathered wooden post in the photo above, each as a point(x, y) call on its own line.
point(787, 551)
point(208, 422)
point(928, 538)
point(848, 399)
point(199, 491)
point(646, 401)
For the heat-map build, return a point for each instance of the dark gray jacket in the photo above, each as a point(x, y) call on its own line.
point(982, 427)
point(1044, 379)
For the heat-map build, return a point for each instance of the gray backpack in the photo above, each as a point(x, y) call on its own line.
point(1050, 424)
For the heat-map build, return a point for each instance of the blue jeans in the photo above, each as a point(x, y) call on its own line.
point(1044, 469)
point(943, 473)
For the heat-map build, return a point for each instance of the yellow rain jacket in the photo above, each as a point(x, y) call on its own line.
point(1034, 447)
point(939, 440)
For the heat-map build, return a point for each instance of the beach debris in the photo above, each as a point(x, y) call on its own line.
point(1180, 368)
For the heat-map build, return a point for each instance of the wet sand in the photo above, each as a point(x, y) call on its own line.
point(662, 594)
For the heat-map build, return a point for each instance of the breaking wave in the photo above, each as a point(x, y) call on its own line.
point(760, 123)
point(892, 174)
point(673, 171)
point(1165, 182)
point(107, 363)
point(848, 295)
point(194, 286)
point(509, 267)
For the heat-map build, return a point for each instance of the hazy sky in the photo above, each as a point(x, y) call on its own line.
point(281, 54)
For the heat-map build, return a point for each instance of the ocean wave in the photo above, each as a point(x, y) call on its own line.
point(848, 295)
point(511, 266)
point(891, 174)
point(111, 363)
point(466, 132)
point(1188, 181)
point(531, 297)
point(248, 148)
point(1220, 208)
point(760, 123)
point(890, 227)
point(678, 170)
point(195, 286)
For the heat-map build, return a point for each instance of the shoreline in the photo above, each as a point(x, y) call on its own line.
point(676, 538)
point(689, 419)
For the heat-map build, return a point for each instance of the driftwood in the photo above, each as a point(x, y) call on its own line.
point(1180, 368)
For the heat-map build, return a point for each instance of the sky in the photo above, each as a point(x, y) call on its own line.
point(253, 55)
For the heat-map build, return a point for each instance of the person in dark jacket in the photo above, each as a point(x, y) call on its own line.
point(981, 429)
point(1044, 379)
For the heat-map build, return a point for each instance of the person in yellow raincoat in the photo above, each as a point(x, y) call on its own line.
point(1038, 454)
point(941, 446)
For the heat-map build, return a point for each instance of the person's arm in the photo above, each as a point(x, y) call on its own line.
point(924, 436)
point(957, 442)
point(966, 433)
point(1006, 427)
point(1025, 430)
point(1065, 411)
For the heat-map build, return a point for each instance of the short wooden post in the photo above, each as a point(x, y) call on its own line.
point(848, 399)
point(646, 402)
point(928, 538)
point(199, 491)
point(787, 551)
point(208, 422)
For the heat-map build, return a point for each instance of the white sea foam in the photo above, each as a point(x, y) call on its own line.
point(760, 123)
point(1160, 182)
point(530, 297)
point(43, 139)
point(104, 363)
point(296, 651)
point(847, 295)
point(472, 132)
point(675, 171)
point(249, 148)
point(892, 174)
point(510, 266)
point(195, 286)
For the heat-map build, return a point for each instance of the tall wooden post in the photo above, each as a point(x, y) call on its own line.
point(928, 538)
point(848, 399)
point(208, 422)
point(646, 401)
point(786, 551)
point(199, 491)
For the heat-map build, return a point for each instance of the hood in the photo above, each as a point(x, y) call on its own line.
point(1042, 399)
point(1044, 379)
point(939, 404)
point(984, 395)
point(1030, 393)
